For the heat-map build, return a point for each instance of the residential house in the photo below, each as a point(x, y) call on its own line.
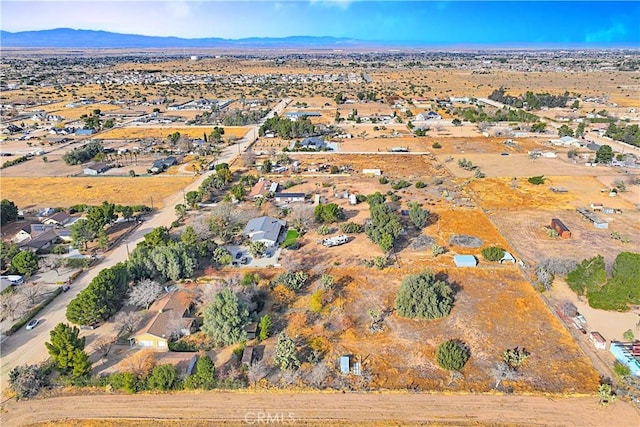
point(289, 197)
point(566, 141)
point(59, 218)
point(262, 188)
point(11, 129)
point(265, 229)
point(96, 169)
point(171, 317)
point(297, 115)
point(430, 115)
point(313, 143)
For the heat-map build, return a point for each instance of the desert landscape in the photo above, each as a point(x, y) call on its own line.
point(316, 230)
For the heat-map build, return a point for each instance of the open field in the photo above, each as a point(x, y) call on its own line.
point(161, 132)
point(306, 409)
point(43, 192)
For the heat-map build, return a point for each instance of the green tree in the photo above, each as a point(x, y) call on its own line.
point(159, 236)
point(103, 240)
point(163, 377)
point(189, 237)
point(565, 130)
point(266, 166)
point(589, 274)
point(238, 191)
point(225, 318)
point(418, 216)
point(515, 357)
point(66, 349)
point(493, 253)
point(329, 213)
point(536, 180)
point(102, 298)
point(205, 376)
point(452, 355)
point(384, 227)
point(286, 356)
point(423, 296)
point(25, 262)
point(257, 249)
point(604, 154)
point(127, 212)
point(8, 211)
point(221, 256)
point(192, 198)
point(81, 233)
point(181, 211)
point(8, 250)
point(456, 122)
point(265, 327)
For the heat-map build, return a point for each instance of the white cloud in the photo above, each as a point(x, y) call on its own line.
point(616, 31)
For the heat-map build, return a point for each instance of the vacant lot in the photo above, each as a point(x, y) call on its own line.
point(30, 193)
point(161, 132)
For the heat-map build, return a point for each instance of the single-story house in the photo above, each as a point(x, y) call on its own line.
point(313, 143)
point(566, 141)
point(11, 129)
point(162, 164)
point(59, 218)
point(265, 229)
point(289, 197)
point(262, 188)
point(297, 115)
point(96, 168)
point(465, 260)
point(430, 115)
point(31, 231)
point(41, 241)
point(170, 318)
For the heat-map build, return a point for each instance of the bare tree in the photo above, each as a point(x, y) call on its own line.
point(31, 292)
point(51, 262)
point(302, 217)
point(144, 293)
point(318, 375)
point(248, 158)
point(12, 304)
point(289, 376)
point(102, 346)
point(257, 371)
point(502, 371)
point(201, 228)
point(126, 321)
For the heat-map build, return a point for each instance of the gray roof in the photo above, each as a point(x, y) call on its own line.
point(313, 140)
point(264, 228)
point(288, 195)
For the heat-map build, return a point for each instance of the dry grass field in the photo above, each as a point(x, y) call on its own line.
point(495, 309)
point(43, 192)
point(161, 132)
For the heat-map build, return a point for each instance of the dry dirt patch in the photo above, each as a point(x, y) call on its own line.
point(58, 191)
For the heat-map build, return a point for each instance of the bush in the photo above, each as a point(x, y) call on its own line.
point(493, 253)
point(27, 380)
point(514, 357)
point(77, 262)
point(400, 185)
point(452, 355)
point(536, 180)
point(422, 296)
point(621, 370)
point(163, 377)
point(329, 213)
point(182, 345)
point(383, 180)
point(323, 230)
point(352, 227)
point(292, 281)
point(436, 145)
point(420, 184)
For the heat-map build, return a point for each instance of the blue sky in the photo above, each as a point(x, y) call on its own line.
point(454, 23)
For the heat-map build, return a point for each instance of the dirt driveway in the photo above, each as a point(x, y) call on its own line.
point(350, 408)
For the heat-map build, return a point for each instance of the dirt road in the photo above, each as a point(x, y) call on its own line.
point(27, 347)
point(294, 408)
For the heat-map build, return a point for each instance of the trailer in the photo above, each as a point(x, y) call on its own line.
point(560, 228)
point(335, 241)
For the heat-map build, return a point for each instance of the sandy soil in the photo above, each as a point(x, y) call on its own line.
point(331, 407)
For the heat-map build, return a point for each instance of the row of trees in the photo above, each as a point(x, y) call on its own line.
point(625, 133)
point(478, 115)
point(286, 128)
point(530, 100)
point(85, 230)
point(84, 154)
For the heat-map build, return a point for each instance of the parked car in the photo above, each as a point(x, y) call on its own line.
point(32, 324)
point(65, 288)
point(238, 255)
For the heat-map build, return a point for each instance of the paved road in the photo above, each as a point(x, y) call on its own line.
point(27, 347)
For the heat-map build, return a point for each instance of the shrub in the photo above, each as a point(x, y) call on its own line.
point(400, 185)
point(292, 281)
point(323, 230)
point(352, 227)
point(420, 184)
point(436, 145)
point(27, 380)
point(422, 296)
point(536, 180)
point(265, 327)
point(514, 357)
point(452, 355)
point(163, 377)
point(315, 303)
point(329, 213)
point(437, 250)
point(493, 253)
point(621, 370)
point(383, 180)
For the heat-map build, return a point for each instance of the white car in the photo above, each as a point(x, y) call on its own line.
point(32, 324)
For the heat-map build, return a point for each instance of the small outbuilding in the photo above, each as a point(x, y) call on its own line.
point(598, 340)
point(345, 364)
point(465, 260)
point(560, 228)
point(247, 355)
point(507, 258)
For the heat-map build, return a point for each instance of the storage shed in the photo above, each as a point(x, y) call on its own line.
point(560, 228)
point(465, 260)
point(345, 364)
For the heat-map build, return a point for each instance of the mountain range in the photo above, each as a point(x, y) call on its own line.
point(70, 38)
